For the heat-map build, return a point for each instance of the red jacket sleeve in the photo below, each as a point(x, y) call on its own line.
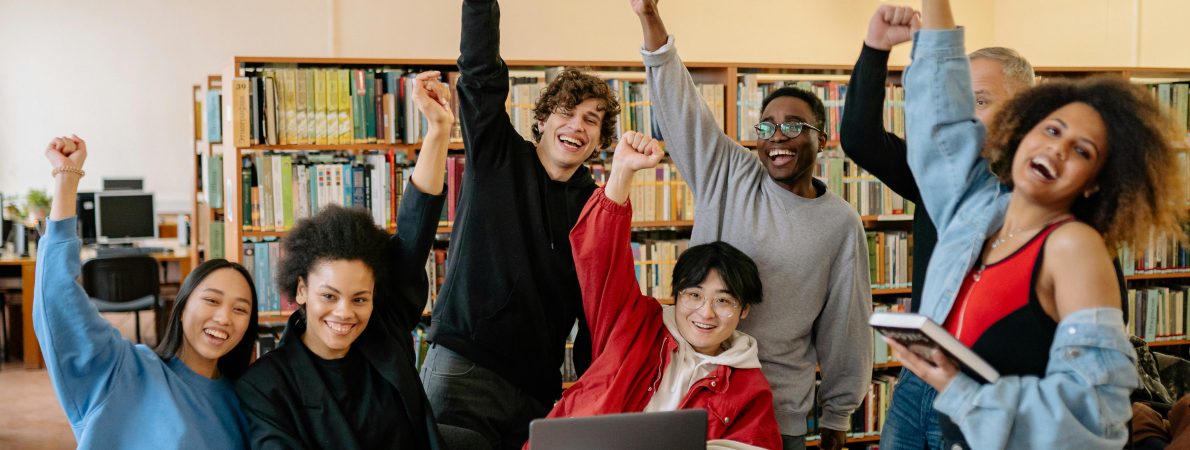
point(603, 260)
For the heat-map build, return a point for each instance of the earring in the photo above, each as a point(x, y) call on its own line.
point(1088, 194)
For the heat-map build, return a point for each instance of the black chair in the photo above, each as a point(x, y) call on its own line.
point(124, 284)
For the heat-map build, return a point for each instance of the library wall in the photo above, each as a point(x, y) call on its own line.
point(118, 72)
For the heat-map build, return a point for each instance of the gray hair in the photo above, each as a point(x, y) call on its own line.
point(1015, 66)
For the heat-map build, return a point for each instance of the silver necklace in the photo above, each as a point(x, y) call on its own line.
point(1011, 234)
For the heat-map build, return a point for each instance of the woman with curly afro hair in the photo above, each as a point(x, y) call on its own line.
point(1028, 223)
point(343, 375)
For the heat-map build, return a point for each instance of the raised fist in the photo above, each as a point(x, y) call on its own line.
point(644, 7)
point(65, 150)
point(892, 25)
point(432, 98)
point(636, 151)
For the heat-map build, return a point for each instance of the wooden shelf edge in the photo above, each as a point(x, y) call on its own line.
point(1170, 275)
point(1168, 343)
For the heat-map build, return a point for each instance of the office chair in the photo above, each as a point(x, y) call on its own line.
point(124, 284)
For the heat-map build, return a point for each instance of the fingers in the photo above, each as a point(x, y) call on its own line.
point(915, 22)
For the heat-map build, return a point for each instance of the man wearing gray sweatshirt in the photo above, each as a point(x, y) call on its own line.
point(808, 243)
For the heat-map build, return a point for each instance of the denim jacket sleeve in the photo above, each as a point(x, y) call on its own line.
point(1082, 402)
point(943, 137)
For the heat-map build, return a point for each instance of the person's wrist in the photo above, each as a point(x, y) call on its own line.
point(874, 46)
point(67, 170)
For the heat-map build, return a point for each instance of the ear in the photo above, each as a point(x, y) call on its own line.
point(300, 296)
point(744, 312)
point(821, 141)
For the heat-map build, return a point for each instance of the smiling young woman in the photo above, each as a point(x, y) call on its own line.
point(110, 388)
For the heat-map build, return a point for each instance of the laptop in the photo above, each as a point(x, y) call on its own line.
point(676, 430)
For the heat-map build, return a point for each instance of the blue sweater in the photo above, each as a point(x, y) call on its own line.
point(116, 394)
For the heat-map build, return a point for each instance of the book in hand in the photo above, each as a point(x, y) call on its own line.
point(922, 335)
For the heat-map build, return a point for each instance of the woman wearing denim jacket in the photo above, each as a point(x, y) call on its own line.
point(1070, 169)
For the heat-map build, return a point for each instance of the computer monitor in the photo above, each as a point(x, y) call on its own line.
point(124, 217)
point(123, 184)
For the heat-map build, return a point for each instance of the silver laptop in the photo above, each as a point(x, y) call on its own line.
point(676, 430)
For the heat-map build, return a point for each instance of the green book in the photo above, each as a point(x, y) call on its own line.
point(287, 190)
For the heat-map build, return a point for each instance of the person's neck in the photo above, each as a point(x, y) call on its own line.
point(802, 187)
point(1023, 214)
point(208, 368)
point(556, 172)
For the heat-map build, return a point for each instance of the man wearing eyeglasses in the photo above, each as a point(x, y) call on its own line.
point(808, 243)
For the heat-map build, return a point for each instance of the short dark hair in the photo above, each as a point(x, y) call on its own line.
point(806, 96)
point(737, 270)
point(235, 362)
point(572, 87)
point(1141, 188)
point(334, 234)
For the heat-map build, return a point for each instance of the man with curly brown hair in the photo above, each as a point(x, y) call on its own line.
point(511, 295)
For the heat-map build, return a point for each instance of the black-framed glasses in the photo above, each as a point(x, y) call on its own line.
point(766, 130)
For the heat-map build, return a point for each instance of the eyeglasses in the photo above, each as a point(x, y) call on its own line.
point(766, 130)
point(693, 299)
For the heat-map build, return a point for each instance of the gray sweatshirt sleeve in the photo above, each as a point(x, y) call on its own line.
point(842, 338)
point(703, 153)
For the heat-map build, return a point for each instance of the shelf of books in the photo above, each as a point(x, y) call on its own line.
point(206, 225)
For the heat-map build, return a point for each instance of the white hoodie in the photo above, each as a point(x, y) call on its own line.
point(688, 366)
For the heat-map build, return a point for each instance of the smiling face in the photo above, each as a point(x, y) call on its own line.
point(1060, 157)
point(790, 162)
point(337, 295)
point(214, 319)
point(704, 327)
point(569, 136)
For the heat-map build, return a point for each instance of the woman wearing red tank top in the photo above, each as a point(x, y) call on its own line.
point(1091, 166)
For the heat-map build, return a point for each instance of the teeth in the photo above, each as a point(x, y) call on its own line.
point(215, 333)
point(338, 327)
point(570, 141)
point(703, 325)
point(780, 152)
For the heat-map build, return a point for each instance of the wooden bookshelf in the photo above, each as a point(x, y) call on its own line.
point(202, 213)
point(1170, 275)
point(893, 291)
point(1169, 343)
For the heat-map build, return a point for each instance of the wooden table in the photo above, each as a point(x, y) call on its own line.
point(28, 266)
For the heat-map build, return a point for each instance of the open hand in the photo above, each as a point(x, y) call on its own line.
point(66, 150)
point(636, 151)
point(936, 371)
point(892, 25)
point(432, 98)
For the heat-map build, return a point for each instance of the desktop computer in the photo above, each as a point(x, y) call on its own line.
point(124, 217)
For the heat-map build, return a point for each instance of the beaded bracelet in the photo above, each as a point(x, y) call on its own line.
point(68, 169)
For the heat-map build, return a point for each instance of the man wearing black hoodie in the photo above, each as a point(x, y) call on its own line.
point(511, 295)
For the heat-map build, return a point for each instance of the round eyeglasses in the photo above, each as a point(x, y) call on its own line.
point(693, 299)
point(766, 130)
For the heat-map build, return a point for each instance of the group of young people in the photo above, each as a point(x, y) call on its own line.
point(1022, 191)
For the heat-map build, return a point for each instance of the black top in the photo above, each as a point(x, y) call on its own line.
point(511, 293)
point(883, 154)
point(366, 401)
point(285, 398)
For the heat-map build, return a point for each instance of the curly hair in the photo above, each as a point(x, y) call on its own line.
point(1141, 188)
point(335, 233)
point(572, 87)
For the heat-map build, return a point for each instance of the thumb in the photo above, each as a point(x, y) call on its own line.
point(915, 23)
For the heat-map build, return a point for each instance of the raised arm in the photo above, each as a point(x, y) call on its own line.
point(944, 137)
point(483, 86)
point(83, 351)
point(601, 237)
point(861, 131)
point(694, 140)
point(421, 207)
